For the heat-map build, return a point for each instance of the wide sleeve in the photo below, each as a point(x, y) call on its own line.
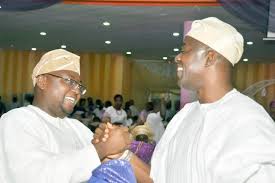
point(27, 157)
point(248, 154)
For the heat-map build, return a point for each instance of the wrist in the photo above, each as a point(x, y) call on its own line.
point(100, 152)
point(127, 155)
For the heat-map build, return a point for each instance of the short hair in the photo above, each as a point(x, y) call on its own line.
point(118, 96)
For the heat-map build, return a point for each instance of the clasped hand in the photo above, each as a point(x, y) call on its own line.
point(111, 141)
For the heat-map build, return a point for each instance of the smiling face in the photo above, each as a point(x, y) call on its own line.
point(191, 64)
point(59, 97)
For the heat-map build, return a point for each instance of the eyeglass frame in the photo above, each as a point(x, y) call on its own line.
point(68, 81)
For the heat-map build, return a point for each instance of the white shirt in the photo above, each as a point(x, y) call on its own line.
point(154, 121)
point(228, 141)
point(36, 147)
point(116, 115)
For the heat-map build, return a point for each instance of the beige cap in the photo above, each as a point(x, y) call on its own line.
point(142, 130)
point(56, 60)
point(219, 36)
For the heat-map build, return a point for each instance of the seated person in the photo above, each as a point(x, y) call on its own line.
point(94, 123)
point(143, 144)
point(113, 171)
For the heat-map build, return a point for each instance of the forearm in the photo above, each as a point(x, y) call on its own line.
point(43, 167)
point(141, 170)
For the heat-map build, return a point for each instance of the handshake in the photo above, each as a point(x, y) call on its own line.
point(110, 141)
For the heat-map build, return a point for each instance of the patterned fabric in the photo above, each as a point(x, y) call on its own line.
point(143, 150)
point(114, 171)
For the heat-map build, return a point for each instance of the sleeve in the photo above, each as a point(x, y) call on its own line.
point(248, 155)
point(265, 174)
point(28, 159)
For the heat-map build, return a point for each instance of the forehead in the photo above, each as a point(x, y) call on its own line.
point(67, 73)
point(189, 41)
point(118, 99)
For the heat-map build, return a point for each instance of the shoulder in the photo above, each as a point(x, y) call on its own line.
point(18, 115)
point(241, 106)
point(109, 109)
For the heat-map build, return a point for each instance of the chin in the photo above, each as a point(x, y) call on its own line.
point(67, 112)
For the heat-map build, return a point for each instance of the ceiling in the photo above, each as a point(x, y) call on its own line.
point(145, 31)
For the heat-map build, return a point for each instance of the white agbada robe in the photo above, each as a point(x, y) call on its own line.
point(38, 148)
point(229, 141)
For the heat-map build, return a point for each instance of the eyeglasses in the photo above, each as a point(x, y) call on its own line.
point(72, 83)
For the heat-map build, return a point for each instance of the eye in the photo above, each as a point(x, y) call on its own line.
point(72, 82)
point(67, 80)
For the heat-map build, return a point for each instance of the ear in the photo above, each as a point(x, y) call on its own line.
point(211, 58)
point(41, 82)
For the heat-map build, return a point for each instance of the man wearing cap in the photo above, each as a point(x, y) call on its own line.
point(38, 143)
point(224, 137)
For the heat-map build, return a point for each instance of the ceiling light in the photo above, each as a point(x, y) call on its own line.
point(164, 58)
point(128, 53)
point(176, 49)
point(106, 23)
point(0, 6)
point(63, 46)
point(249, 42)
point(108, 42)
point(176, 34)
point(245, 59)
point(33, 49)
point(43, 33)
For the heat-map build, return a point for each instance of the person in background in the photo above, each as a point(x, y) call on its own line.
point(133, 108)
point(81, 106)
point(143, 143)
point(115, 113)
point(90, 106)
point(14, 104)
point(98, 111)
point(129, 121)
point(144, 113)
point(154, 121)
point(107, 104)
point(94, 123)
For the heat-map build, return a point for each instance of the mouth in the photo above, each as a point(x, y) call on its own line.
point(71, 100)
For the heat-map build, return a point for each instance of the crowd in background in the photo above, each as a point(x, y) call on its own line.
point(91, 112)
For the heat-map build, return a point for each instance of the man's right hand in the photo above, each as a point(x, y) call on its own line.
point(102, 133)
point(117, 139)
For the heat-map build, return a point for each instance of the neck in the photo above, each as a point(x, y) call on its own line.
point(44, 107)
point(212, 93)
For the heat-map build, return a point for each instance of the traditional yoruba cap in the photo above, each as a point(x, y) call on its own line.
point(219, 36)
point(142, 130)
point(56, 60)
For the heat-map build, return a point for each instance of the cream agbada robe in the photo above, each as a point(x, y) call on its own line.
point(38, 148)
point(229, 141)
